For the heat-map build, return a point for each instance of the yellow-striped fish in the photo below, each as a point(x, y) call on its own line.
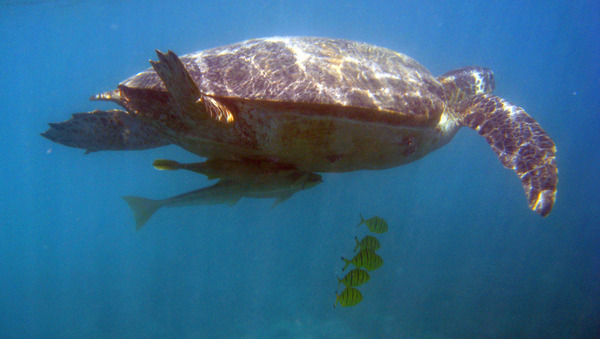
point(367, 243)
point(350, 296)
point(355, 278)
point(365, 258)
point(375, 224)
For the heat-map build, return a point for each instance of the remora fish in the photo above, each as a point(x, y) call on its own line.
point(279, 185)
point(255, 172)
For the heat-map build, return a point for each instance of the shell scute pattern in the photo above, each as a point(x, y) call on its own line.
point(312, 70)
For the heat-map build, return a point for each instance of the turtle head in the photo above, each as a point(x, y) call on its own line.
point(467, 81)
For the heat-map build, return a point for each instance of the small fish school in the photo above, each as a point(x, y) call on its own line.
point(365, 260)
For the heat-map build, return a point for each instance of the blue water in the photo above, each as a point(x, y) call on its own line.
point(464, 256)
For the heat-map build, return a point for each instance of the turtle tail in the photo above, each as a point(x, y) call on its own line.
point(142, 208)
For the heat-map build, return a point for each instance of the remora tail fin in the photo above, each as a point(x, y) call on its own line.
point(142, 208)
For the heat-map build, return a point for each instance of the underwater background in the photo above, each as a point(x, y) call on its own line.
point(464, 256)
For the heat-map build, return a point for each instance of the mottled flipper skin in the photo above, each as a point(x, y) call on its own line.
point(462, 83)
point(517, 139)
point(520, 143)
point(104, 130)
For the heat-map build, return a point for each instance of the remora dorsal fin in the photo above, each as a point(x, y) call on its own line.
point(282, 197)
point(520, 143)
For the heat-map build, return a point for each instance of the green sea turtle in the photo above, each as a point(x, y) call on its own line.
point(316, 104)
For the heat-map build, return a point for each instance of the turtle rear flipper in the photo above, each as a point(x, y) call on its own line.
point(520, 143)
point(105, 130)
point(183, 89)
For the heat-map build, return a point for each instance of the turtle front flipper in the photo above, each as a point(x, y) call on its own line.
point(105, 130)
point(181, 86)
point(520, 143)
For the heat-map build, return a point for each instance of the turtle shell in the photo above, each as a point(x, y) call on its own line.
point(319, 104)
